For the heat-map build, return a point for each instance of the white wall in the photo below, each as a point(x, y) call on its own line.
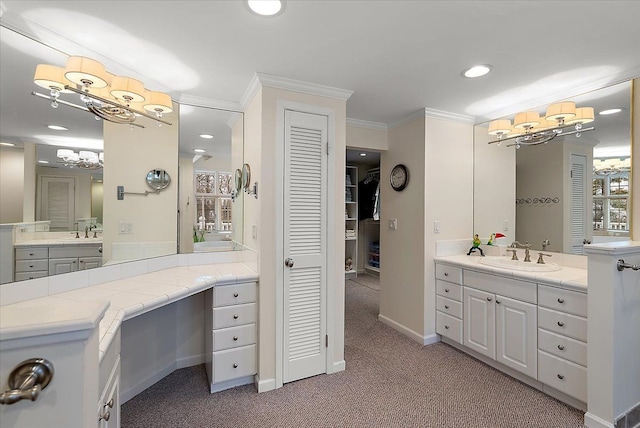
point(29, 189)
point(359, 137)
point(186, 203)
point(11, 184)
point(237, 159)
point(635, 158)
point(97, 194)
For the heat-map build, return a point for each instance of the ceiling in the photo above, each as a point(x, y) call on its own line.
point(396, 56)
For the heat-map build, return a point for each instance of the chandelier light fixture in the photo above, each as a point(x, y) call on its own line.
point(530, 129)
point(117, 99)
point(613, 166)
point(83, 159)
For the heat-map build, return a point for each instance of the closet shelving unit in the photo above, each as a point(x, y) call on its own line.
point(372, 245)
point(351, 220)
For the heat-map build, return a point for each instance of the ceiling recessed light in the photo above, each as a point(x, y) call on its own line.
point(43, 161)
point(199, 150)
point(206, 136)
point(363, 154)
point(265, 7)
point(477, 70)
point(7, 144)
point(57, 128)
point(610, 111)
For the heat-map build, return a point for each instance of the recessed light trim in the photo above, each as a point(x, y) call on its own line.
point(199, 150)
point(206, 136)
point(610, 111)
point(477, 71)
point(266, 7)
point(43, 161)
point(7, 144)
point(57, 128)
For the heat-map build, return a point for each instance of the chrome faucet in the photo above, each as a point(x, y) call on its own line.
point(86, 231)
point(545, 244)
point(527, 248)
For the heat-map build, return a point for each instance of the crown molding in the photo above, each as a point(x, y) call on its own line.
point(418, 114)
point(250, 92)
point(261, 79)
point(197, 101)
point(445, 115)
point(358, 123)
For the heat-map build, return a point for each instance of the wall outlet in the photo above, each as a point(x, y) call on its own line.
point(254, 231)
point(436, 226)
point(505, 225)
point(125, 228)
point(393, 223)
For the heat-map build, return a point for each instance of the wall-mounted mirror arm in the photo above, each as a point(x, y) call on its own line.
point(121, 193)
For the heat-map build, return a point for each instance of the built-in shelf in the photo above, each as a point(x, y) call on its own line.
point(372, 268)
point(351, 219)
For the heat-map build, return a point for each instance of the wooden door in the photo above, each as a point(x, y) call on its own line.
point(480, 321)
point(516, 335)
point(579, 217)
point(57, 202)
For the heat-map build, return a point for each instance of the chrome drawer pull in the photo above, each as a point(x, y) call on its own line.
point(235, 317)
point(560, 323)
point(446, 327)
point(498, 301)
point(561, 347)
point(446, 274)
point(446, 306)
point(31, 254)
point(110, 403)
point(446, 290)
point(106, 416)
point(560, 300)
point(488, 299)
point(560, 376)
point(235, 338)
point(235, 294)
point(235, 365)
point(30, 266)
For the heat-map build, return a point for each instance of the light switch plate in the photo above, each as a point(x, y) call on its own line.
point(393, 223)
point(436, 226)
point(505, 225)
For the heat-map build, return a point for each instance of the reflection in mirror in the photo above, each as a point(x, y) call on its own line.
point(211, 147)
point(562, 194)
point(158, 179)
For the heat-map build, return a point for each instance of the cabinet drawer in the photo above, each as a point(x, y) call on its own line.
point(563, 323)
point(447, 289)
point(449, 326)
point(563, 347)
point(449, 273)
point(449, 307)
point(234, 337)
point(231, 316)
point(569, 301)
point(32, 253)
point(507, 287)
point(22, 276)
point(225, 295)
point(31, 265)
point(234, 363)
point(563, 375)
point(75, 251)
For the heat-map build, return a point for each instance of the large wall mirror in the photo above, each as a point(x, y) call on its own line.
point(567, 192)
point(48, 198)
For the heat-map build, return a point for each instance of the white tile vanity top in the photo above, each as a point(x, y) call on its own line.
point(119, 300)
point(57, 241)
point(568, 277)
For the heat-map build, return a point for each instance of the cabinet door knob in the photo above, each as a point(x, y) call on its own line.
point(105, 416)
point(446, 327)
point(31, 254)
point(235, 294)
point(560, 376)
point(446, 290)
point(561, 347)
point(560, 300)
point(560, 323)
point(110, 403)
point(235, 365)
point(446, 274)
point(30, 266)
point(446, 306)
point(489, 299)
point(498, 301)
point(235, 317)
point(235, 338)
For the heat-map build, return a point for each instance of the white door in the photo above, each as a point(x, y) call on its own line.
point(578, 212)
point(480, 322)
point(516, 335)
point(58, 202)
point(305, 236)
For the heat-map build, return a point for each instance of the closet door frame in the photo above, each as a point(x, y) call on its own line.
point(331, 272)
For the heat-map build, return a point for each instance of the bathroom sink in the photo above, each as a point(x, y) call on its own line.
point(519, 265)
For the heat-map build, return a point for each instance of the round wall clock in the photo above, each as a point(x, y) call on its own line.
point(399, 177)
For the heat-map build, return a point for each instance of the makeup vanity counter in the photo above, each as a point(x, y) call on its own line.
point(530, 325)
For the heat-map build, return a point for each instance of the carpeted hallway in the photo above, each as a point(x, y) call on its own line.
point(390, 381)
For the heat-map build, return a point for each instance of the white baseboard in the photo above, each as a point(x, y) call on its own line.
point(338, 366)
point(128, 394)
point(266, 384)
point(425, 340)
point(592, 421)
point(191, 361)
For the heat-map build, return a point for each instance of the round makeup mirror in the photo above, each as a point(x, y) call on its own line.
point(238, 180)
point(246, 176)
point(158, 179)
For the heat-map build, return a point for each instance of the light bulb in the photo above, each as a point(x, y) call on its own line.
point(578, 134)
point(578, 126)
point(54, 103)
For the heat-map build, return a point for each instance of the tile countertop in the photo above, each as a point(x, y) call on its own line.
point(57, 241)
point(568, 277)
point(117, 300)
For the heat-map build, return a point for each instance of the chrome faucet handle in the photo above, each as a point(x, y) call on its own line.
point(545, 244)
point(527, 255)
point(95, 233)
point(540, 259)
point(86, 231)
point(515, 255)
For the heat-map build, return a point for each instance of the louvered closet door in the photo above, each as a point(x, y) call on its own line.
point(305, 200)
point(578, 211)
point(58, 202)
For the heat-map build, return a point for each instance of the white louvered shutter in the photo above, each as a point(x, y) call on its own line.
point(58, 202)
point(305, 218)
point(578, 216)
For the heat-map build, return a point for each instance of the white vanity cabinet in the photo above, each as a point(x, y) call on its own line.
point(108, 408)
point(37, 261)
point(449, 302)
point(31, 263)
point(501, 326)
point(230, 335)
point(562, 340)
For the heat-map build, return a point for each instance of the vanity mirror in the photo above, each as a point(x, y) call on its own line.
point(158, 179)
point(569, 191)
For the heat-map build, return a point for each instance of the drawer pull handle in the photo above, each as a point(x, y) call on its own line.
point(235, 294)
point(446, 327)
point(498, 301)
point(446, 274)
point(446, 290)
point(105, 417)
point(110, 403)
point(560, 323)
point(560, 300)
point(446, 306)
point(489, 299)
point(235, 365)
point(235, 317)
point(31, 254)
point(561, 347)
point(235, 338)
point(30, 266)
point(560, 376)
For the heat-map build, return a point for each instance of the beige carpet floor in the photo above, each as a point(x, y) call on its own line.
point(389, 381)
